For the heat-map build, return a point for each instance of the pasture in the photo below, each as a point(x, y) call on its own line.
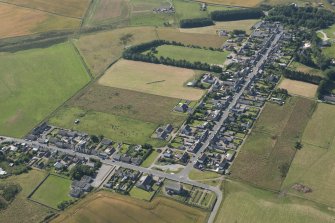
point(260, 206)
point(53, 191)
point(305, 69)
point(31, 87)
point(313, 165)
point(128, 103)
point(299, 88)
point(271, 143)
point(21, 210)
point(150, 78)
point(192, 54)
point(102, 206)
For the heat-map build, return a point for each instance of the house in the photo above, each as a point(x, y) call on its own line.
point(186, 130)
point(202, 159)
point(2, 172)
point(76, 192)
point(173, 187)
point(58, 166)
point(230, 155)
point(181, 107)
point(106, 142)
point(145, 182)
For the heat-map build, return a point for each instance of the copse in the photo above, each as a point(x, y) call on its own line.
point(241, 14)
point(198, 22)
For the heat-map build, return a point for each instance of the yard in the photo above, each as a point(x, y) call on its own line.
point(141, 194)
point(53, 191)
point(150, 78)
point(150, 159)
point(299, 88)
point(32, 88)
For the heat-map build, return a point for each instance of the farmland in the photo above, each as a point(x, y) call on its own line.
point(192, 54)
point(271, 143)
point(259, 206)
point(299, 88)
point(103, 206)
point(242, 3)
point(27, 82)
point(53, 191)
point(314, 163)
point(305, 69)
point(169, 81)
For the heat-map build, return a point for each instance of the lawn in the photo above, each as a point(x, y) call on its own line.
point(202, 175)
point(141, 194)
point(271, 143)
point(192, 54)
point(150, 78)
point(103, 206)
point(305, 69)
point(299, 88)
point(118, 128)
point(150, 159)
point(244, 203)
point(53, 191)
point(313, 166)
point(31, 87)
point(21, 210)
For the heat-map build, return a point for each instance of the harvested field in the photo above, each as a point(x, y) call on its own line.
point(103, 206)
point(68, 8)
point(299, 88)
point(150, 78)
point(271, 143)
point(242, 3)
point(132, 104)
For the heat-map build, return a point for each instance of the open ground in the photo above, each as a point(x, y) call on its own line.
point(33, 83)
point(299, 88)
point(151, 78)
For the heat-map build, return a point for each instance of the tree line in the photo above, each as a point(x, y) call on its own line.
point(197, 22)
point(240, 14)
point(301, 76)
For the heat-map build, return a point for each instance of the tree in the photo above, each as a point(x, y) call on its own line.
point(80, 170)
point(125, 39)
point(284, 169)
point(298, 145)
point(95, 138)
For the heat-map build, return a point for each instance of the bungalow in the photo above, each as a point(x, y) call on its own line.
point(145, 182)
point(173, 187)
point(181, 107)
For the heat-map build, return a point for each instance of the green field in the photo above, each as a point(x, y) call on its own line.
point(150, 159)
point(313, 165)
point(141, 194)
point(53, 191)
point(192, 54)
point(271, 143)
point(21, 210)
point(33, 83)
point(305, 69)
point(118, 128)
point(244, 203)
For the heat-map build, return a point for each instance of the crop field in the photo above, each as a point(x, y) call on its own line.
point(18, 21)
point(53, 191)
point(118, 128)
point(271, 143)
point(242, 3)
point(150, 78)
point(305, 69)
point(299, 88)
point(21, 210)
point(245, 25)
point(313, 165)
point(103, 206)
point(192, 54)
point(260, 206)
point(68, 8)
point(132, 104)
point(31, 88)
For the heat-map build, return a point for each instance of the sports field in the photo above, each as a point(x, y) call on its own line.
point(314, 165)
point(103, 206)
point(32, 87)
point(150, 78)
point(271, 143)
point(299, 88)
point(244, 203)
point(192, 54)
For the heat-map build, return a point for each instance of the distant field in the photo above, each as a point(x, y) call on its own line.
point(69, 8)
point(18, 21)
point(314, 165)
point(31, 87)
point(53, 191)
point(21, 210)
point(271, 143)
point(230, 26)
point(299, 88)
point(313, 3)
point(151, 78)
point(132, 104)
point(243, 3)
point(118, 128)
point(192, 54)
point(244, 203)
point(103, 206)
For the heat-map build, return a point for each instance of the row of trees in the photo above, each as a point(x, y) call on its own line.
point(240, 14)
point(197, 22)
point(8, 193)
point(300, 76)
point(327, 85)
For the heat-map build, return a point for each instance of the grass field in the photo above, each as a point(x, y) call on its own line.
point(244, 203)
point(141, 194)
point(21, 210)
point(271, 143)
point(314, 165)
point(243, 3)
point(118, 128)
point(150, 159)
point(53, 191)
point(299, 88)
point(305, 69)
point(31, 88)
point(192, 54)
point(151, 78)
point(103, 206)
